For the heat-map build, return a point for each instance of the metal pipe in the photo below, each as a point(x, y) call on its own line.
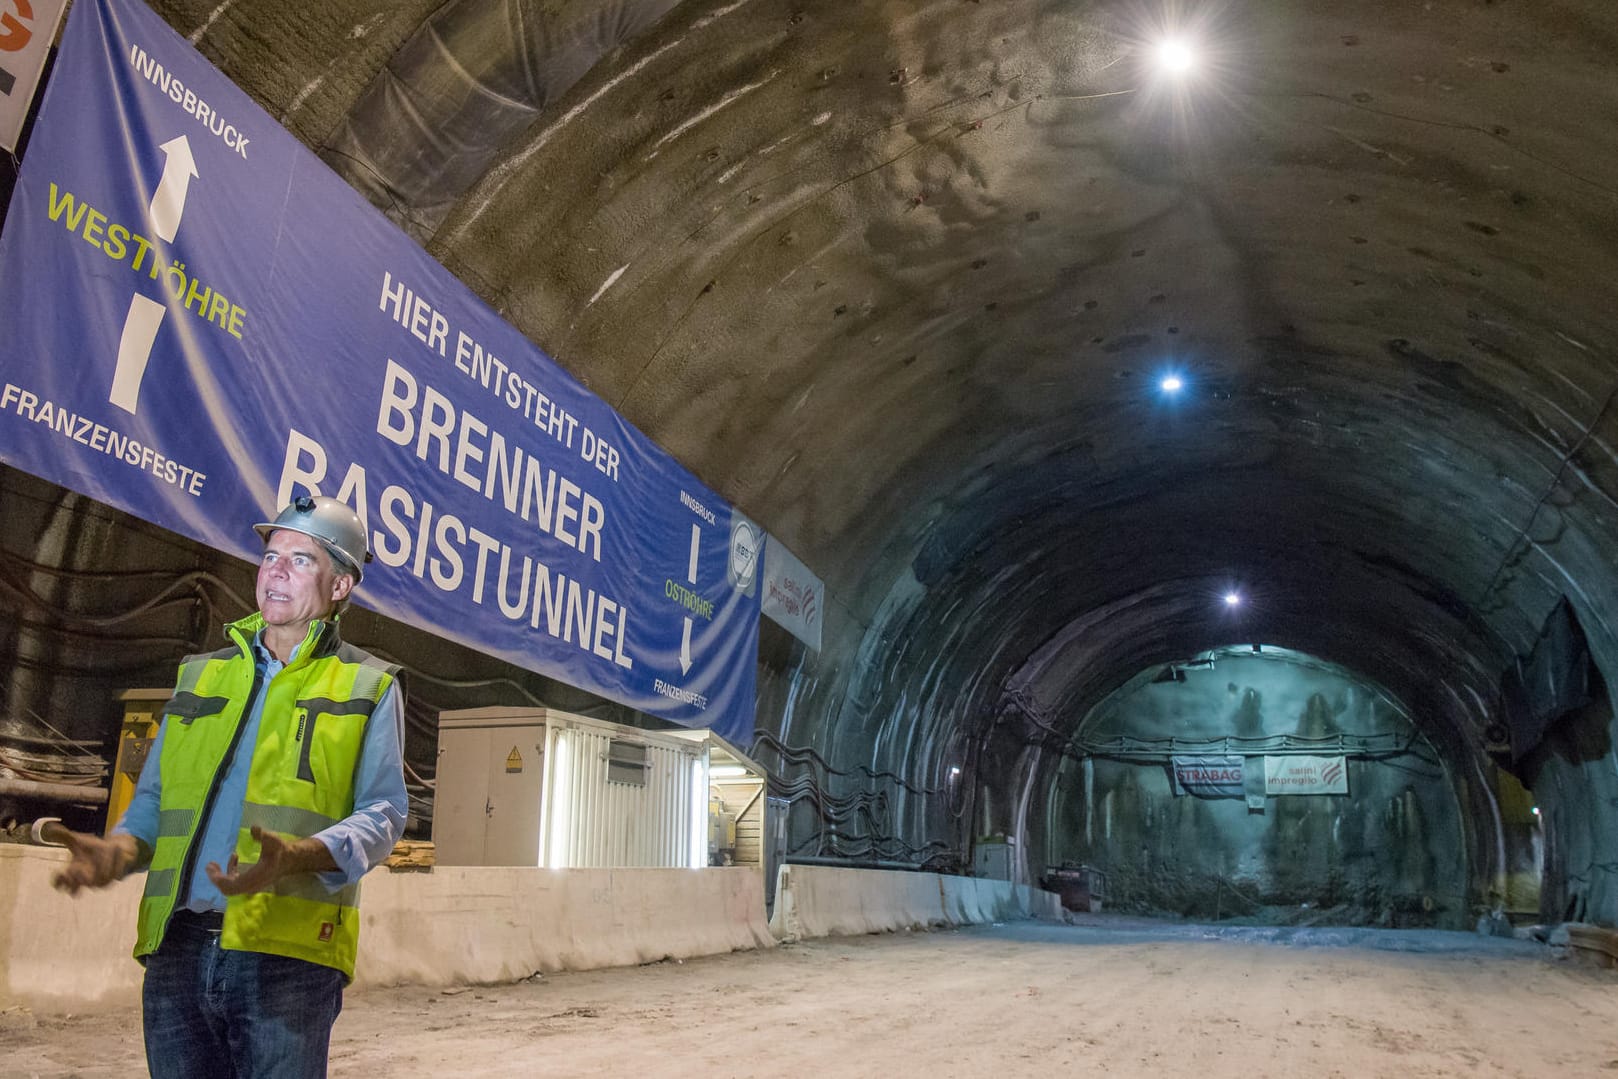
point(54, 792)
point(852, 863)
point(49, 832)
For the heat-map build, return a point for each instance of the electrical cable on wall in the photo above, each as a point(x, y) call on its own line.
point(64, 761)
point(835, 813)
point(796, 755)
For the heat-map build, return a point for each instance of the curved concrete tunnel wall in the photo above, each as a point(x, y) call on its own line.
point(897, 281)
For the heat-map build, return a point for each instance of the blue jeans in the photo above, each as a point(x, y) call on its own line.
point(213, 1014)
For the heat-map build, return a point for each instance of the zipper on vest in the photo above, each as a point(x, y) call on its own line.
point(183, 889)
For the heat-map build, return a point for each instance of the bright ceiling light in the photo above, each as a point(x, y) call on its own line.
point(1172, 384)
point(1175, 57)
point(1233, 599)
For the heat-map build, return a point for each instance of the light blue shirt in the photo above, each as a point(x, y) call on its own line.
point(358, 842)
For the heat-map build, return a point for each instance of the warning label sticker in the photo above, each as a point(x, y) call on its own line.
point(513, 760)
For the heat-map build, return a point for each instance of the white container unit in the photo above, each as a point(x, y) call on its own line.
point(533, 786)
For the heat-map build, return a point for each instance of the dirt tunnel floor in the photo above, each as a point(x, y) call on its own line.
point(1113, 996)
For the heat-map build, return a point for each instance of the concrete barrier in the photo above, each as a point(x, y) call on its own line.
point(61, 954)
point(982, 900)
point(450, 926)
point(820, 901)
point(470, 924)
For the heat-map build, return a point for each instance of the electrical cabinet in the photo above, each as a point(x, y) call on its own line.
point(538, 787)
point(992, 857)
point(487, 801)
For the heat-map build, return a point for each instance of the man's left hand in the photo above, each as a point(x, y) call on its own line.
point(276, 859)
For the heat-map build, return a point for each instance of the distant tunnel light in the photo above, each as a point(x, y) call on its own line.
point(955, 770)
point(1175, 56)
point(1534, 810)
point(1233, 599)
point(1171, 384)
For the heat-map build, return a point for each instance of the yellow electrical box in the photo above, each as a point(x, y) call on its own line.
point(142, 714)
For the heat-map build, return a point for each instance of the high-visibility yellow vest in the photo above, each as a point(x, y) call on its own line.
point(301, 781)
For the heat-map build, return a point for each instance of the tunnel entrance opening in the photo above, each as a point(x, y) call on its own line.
point(1266, 786)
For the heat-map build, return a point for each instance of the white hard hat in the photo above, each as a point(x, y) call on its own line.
point(332, 523)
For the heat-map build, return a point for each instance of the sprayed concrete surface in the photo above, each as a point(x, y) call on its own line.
point(1112, 995)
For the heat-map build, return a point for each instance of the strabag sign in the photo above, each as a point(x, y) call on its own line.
point(200, 320)
point(1305, 775)
point(1209, 776)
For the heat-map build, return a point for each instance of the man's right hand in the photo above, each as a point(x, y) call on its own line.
point(96, 862)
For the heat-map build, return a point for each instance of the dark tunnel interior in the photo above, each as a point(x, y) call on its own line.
point(904, 281)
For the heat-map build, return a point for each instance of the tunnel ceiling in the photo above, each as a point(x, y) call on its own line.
point(899, 280)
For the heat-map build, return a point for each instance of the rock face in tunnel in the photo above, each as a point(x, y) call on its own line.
point(1388, 852)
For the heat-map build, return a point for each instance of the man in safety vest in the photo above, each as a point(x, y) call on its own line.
point(279, 759)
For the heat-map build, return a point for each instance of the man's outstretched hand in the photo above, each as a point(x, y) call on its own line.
point(276, 859)
point(96, 862)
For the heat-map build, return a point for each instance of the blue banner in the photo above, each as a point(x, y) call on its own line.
point(199, 319)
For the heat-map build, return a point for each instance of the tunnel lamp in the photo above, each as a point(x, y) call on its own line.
point(1171, 384)
point(955, 770)
point(1534, 810)
point(726, 771)
point(1233, 599)
point(1175, 57)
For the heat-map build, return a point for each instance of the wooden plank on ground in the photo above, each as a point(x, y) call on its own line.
point(411, 854)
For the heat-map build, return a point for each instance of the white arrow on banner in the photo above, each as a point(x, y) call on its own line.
point(145, 316)
point(690, 576)
point(134, 349)
point(168, 204)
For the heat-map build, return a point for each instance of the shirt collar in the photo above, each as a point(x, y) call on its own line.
point(265, 658)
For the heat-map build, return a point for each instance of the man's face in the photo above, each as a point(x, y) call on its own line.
point(297, 581)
